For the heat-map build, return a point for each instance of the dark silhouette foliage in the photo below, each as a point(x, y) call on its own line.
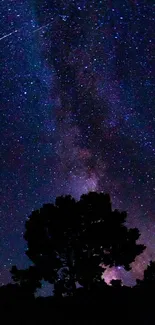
point(28, 279)
point(116, 283)
point(70, 240)
point(148, 281)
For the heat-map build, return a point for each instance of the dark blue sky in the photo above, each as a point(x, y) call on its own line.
point(77, 112)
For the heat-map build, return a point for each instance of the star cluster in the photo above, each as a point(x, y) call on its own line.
point(77, 112)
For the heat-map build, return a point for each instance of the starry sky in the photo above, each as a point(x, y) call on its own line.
point(77, 113)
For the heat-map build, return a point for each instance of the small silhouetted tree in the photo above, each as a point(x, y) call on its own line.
point(28, 280)
point(9, 292)
point(149, 277)
point(116, 283)
point(79, 236)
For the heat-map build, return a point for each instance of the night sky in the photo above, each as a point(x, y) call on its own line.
point(77, 113)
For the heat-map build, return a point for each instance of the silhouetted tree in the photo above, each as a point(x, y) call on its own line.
point(116, 283)
point(9, 292)
point(28, 280)
point(104, 238)
point(13, 293)
point(68, 241)
point(149, 277)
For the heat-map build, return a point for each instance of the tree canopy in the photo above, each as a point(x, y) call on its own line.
point(149, 277)
point(70, 240)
